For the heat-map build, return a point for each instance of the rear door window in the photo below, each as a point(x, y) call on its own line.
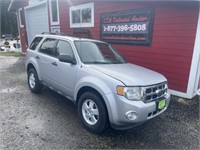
point(48, 47)
point(35, 43)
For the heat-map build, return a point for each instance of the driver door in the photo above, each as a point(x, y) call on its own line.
point(64, 73)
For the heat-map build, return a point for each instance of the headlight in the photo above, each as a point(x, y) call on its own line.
point(131, 93)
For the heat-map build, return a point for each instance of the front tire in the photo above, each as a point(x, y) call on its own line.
point(33, 82)
point(92, 112)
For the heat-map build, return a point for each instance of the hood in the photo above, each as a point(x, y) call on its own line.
point(130, 74)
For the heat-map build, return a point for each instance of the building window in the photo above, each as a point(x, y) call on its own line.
point(21, 17)
point(82, 15)
point(54, 12)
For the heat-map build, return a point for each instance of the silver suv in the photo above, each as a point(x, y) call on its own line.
point(106, 89)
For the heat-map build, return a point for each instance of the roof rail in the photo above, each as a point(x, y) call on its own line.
point(54, 33)
point(50, 33)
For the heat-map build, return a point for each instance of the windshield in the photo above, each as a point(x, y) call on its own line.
point(98, 53)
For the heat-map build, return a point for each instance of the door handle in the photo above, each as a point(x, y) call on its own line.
point(37, 57)
point(54, 63)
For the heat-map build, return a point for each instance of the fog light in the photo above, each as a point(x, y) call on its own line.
point(131, 115)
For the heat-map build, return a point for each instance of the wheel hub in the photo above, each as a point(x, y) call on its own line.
point(32, 80)
point(90, 112)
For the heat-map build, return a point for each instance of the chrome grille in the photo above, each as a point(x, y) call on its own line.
point(155, 92)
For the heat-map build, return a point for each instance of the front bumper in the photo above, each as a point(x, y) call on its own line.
point(118, 106)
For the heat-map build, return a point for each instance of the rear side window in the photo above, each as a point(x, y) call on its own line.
point(48, 47)
point(35, 43)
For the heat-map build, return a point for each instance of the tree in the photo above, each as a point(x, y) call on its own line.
point(8, 19)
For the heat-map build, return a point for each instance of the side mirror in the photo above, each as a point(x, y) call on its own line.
point(67, 59)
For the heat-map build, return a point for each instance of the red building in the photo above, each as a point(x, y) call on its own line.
point(161, 35)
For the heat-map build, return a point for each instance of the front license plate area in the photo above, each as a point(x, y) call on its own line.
point(161, 104)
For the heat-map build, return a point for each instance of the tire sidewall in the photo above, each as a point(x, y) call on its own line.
point(102, 122)
point(38, 86)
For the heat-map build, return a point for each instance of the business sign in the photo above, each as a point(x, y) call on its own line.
point(128, 27)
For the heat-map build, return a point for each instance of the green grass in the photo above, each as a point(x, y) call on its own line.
point(14, 54)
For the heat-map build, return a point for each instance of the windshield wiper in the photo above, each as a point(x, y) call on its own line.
point(117, 62)
point(97, 62)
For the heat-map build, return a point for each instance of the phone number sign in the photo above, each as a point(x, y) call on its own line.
point(128, 27)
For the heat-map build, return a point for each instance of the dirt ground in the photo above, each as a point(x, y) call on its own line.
point(49, 121)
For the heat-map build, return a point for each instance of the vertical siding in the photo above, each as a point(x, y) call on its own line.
point(173, 36)
point(22, 30)
point(64, 16)
point(23, 39)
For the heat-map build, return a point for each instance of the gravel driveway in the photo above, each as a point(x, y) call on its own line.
point(49, 121)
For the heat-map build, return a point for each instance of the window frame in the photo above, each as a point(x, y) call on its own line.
point(55, 29)
point(20, 10)
point(51, 13)
point(81, 7)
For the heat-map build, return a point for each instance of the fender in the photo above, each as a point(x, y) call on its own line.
point(103, 88)
point(35, 64)
point(93, 82)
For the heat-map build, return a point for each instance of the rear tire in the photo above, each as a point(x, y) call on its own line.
point(33, 82)
point(92, 112)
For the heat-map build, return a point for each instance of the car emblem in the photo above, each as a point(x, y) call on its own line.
point(159, 92)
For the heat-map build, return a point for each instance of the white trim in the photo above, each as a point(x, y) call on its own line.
point(197, 78)
point(11, 3)
point(198, 92)
point(17, 13)
point(191, 91)
point(81, 24)
point(55, 28)
point(20, 19)
point(181, 94)
point(36, 4)
point(58, 15)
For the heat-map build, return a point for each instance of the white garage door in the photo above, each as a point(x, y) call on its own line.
point(36, 20)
